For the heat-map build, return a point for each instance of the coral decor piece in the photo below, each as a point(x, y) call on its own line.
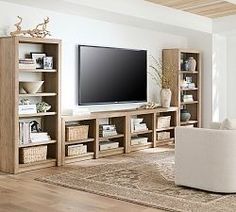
point(149, 105)
point(40, 31)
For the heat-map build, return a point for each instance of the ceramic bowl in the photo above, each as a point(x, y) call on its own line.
point(31, 87)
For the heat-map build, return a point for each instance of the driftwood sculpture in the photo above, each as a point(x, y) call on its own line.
point(40, 31)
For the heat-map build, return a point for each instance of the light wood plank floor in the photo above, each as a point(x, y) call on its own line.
point(21, 193)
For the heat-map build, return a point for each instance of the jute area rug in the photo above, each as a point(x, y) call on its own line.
point(145, 178)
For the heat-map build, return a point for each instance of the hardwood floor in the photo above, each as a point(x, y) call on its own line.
point(22, 193)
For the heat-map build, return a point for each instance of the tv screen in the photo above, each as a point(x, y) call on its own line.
point(111, 75)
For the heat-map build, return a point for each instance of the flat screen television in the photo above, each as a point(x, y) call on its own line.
point(111, 75)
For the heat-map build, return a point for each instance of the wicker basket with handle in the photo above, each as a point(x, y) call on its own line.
point(33, 154)
point(78, 132)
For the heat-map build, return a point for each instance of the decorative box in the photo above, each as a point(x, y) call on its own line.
point(138, 140)
point(78, 149)
point(78, 132)
point(105, 145)
point(163, 122)
point(163, 135)
point(33, 154)
point(27, 109)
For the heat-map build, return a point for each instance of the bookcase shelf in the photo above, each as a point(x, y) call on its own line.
point(38, 70)
point(189, 103)
point(111, 137)
point(37, 165)
point(178, 57)
point(13, 48)
point(165, 129)
point(80, 141)
point(37, 94)
point(109, 152)
point(37, 143)
point(76, 158)
point(37, 115)
point(141, 132)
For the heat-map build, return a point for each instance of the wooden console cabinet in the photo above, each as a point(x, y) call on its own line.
point(122, 121)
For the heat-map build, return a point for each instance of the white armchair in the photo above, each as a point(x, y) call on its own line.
point(206, 159)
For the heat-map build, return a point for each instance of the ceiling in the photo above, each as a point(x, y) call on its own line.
point(207, 8)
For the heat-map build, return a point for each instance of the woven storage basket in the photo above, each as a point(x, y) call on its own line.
point(33, 154)
point(76, 150)
point(79, 132)
point(163, 122)
point(163, 135)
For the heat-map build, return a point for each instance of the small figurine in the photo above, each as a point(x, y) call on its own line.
point(24, 102)
point(43, 107)
point(35, 126)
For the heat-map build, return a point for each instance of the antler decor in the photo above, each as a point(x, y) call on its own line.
point(40, 31)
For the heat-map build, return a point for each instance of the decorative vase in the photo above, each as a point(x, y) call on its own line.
point(165, 97)
point(185, 65)
point(185, 115)
point(192, 64)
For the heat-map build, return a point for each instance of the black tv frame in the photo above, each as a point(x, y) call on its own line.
point(113, 102)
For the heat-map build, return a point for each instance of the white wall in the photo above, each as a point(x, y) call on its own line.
point(74, 30)
point(231, 77)
point(203, 42)
point(224, 67)
point(219, 78)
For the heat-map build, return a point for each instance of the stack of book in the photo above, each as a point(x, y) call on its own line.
point(106, 130)
point(138, 140)
point(24, 133)
point(27, 137)
point(137, 125)
point(39, 137)
point(188, 98)
point(27, 64)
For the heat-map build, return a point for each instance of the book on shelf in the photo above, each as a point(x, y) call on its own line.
point(105, 145)
point(27, 63)
point(140, 127)
point(27, 109)
point(107, 127)
point(27, 137)
point(138, 140)
point(106, 130)
point(188, 98)
point(39, 137)
point(137, 125)
point(24, 133)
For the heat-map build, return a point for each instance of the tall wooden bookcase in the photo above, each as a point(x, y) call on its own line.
point(11, 49)
point(176, 58)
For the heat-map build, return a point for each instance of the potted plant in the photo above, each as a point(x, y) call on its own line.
point(162, 74)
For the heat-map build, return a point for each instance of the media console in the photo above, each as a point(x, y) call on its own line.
point(153, 135)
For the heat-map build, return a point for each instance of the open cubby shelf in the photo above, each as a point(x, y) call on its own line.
point(122, 122)
point(111, 137)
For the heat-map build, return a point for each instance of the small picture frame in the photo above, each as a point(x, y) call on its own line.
point(48, 63)
point(38, 58)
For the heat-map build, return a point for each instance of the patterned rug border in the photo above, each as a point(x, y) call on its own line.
point(109, 196)
point(165, 200)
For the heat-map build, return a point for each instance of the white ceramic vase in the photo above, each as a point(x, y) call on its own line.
point(165, 97)
point(192, 64)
